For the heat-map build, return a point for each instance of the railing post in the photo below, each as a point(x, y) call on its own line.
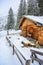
point(27, 62)
point(7, 32)
point(13, 49)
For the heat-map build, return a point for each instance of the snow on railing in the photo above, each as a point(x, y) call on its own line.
point(12, 32)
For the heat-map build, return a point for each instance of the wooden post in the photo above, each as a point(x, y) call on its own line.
point(27, 62)
point(13, 49)
point(32, 56)
point(7, 32)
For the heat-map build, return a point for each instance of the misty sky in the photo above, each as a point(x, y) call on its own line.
point(6, 4)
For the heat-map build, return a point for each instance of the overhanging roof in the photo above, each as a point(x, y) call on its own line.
point(35, 18)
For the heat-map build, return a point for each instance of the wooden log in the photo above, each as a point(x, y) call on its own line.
point(40, 40)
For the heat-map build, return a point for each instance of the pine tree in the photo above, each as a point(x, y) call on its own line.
point(10, 21)
point(21, 11)
point(24, 7)
point(33, 8)
point(40, 4)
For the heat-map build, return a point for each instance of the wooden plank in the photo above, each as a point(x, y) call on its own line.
point(35, 51)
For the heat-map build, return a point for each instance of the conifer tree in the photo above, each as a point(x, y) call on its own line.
point(40, 4)
point(10, 21)
point(24, 7)
point(33, 8)
point(21, 11)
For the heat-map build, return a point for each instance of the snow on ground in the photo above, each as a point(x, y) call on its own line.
point(6, 57)
point(3, 33)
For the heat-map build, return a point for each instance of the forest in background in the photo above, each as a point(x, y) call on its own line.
point(31, 7)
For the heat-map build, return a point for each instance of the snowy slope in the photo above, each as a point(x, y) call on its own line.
point(6, 57)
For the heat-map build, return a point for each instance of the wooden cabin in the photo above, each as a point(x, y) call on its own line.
point(32, 26)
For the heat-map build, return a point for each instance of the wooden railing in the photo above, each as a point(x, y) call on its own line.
point(35, 57)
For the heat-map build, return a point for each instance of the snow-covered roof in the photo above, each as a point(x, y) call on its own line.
point(35, 18)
